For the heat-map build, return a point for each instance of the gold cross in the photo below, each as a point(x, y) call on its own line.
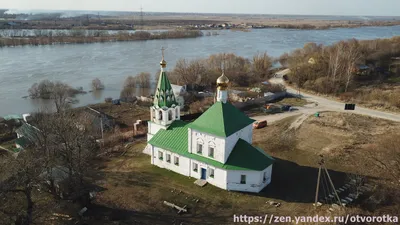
point(162, 52)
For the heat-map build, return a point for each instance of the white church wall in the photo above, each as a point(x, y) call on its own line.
point(207, 140)
point(182, 168)
point(245, 134)
point(153, 128)
point(268, 177)
point(219, 178)
point(254, 180)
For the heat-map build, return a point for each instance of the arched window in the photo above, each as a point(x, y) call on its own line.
point(199, 146)
point(169, 114)
point(160, 115)
point(211, 149)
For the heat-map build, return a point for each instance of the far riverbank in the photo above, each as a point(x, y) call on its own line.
point(79, 37)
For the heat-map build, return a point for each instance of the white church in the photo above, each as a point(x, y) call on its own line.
point(216, 147)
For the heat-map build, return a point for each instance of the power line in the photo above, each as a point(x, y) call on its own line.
point(141, 18)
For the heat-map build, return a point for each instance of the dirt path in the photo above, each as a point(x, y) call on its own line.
point(331, 105)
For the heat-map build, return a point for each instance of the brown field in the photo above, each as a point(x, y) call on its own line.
point(152, 22)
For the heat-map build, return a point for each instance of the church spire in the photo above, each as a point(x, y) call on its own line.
point(164, 96)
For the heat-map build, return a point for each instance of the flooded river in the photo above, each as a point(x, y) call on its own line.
point(79, 64)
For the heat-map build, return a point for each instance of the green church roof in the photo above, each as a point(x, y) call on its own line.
point(222, 120)
point(164, 96)
point(23, 142)
point(30, 132)
point(243, 157)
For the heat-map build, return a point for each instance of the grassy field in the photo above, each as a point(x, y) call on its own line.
point(148, 186)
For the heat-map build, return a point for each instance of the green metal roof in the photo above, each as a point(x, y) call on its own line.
point(29, 132)
point(164, 93)
point(243, 157)
point(23, 142)
point(221, 119)
point(13, 117)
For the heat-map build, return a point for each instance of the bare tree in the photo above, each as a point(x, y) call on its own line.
point(336, 64)
point(262, 63)
point(60, 93)
point(352, 55)
point(97, 84)
point(19, 176)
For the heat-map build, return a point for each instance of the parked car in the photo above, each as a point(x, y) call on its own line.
point(272, 109)
point(286, 107)
point(259, 124)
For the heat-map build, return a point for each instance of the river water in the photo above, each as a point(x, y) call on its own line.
point(79, 64)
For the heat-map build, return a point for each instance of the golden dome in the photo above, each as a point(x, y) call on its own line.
point(163, 63)
point(222, 79)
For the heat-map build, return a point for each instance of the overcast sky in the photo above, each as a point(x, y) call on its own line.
point(301, 7)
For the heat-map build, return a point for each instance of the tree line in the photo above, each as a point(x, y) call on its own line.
point(204, 72)
point(81, 36)
point(332, 69)
point(335, 70)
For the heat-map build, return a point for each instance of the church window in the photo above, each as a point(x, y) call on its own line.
point(195, 167)
point(176, 160)
point(265, 176)
point(160, 115)
point(160, 155)
point(212, 173)
point(168, 158)
point(243, 179)
point(169, 115)
point(211, 152)
point(199, 148)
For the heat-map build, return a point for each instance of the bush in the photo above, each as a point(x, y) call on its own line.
point(201, 106)
point(97, 85)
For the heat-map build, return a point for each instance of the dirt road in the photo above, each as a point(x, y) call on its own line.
point(331, 105)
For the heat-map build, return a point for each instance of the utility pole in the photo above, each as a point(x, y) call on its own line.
point(319, 178)
point(141, 18)
point(322, 167)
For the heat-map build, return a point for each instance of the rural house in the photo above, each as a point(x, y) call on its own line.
point(215, 148)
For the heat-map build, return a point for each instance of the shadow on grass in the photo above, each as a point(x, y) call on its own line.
point(295, 183)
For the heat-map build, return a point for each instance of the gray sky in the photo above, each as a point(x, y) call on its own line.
point(308, 7)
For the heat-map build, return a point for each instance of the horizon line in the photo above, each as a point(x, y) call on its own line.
point(227, 13)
